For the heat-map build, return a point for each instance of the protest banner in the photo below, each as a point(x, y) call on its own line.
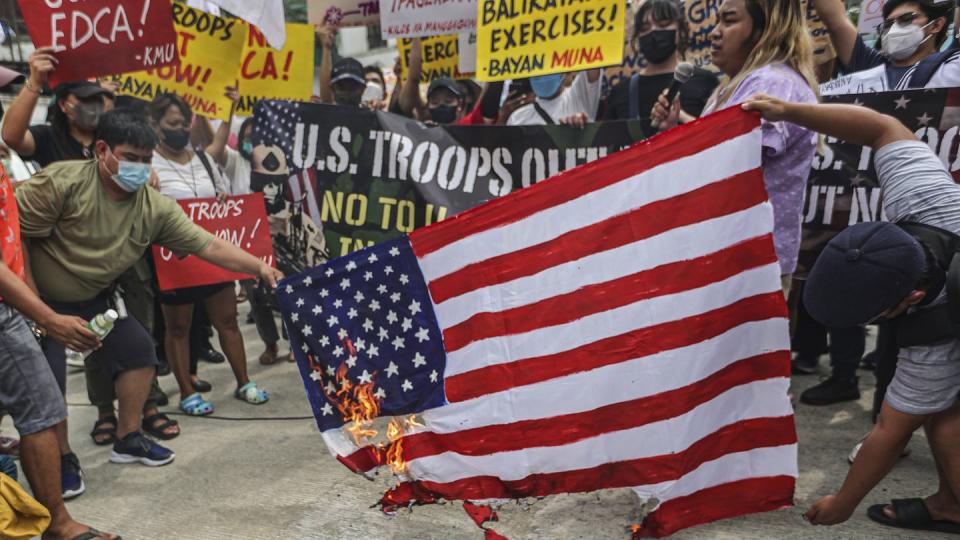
point(266, 73)
point(240, 220)
point(441, 57)
point(467, 52)
point(861, 82)
point(209, 49)
point(528, 39)
point(379, 175)
point(102, 37)
point(843, 189)
point(871, 15)
point(344, 12)
point(416, 18)
point(702, 16)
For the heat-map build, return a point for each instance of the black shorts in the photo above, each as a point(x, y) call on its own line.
point(192, 295)
point(127, 347)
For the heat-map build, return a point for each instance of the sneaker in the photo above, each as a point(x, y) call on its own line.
point(859, 445)
point(805, 364)
point(71, 477)
point(830, 391)
point(137, 448)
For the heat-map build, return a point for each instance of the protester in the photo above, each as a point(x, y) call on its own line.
point(660, 35)
point(762, 47)
point(875, 271)
point(74, 115)
point(72, 212)
point(28, 388)
point(913, 30)
point(556, 102)
point(188, 174)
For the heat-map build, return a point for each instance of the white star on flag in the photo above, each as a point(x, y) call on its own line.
point(367, 276)
point(351, 265)
point(397, 343)
point(308, 281)
point(407, 324)
point(332, 321)
point(382, 334)
point(324, 341)
point(392, 317)
point(395, 297)
point(404, 279)
point(392, 369)
point(317, 309)
point(358, 297)
point(295, 317)
point(338, 303)
point(352, 313)
point(374, 306)
point(305, 348)
point(382, 289)
point(422, 335)
point(372, 351)
point(352, 361)
point(342, 333)
point(289, 289)
point(300, 302)
point(414, 307)
point(419, 360)
point(388, 270)
point(407, 385)
point(324, 293)
point(345, 283)
point(327, 409)
point(394, 251)
point(433, 376)
point(359, 344)
point(338, 351)
point(315, 375)
point(902, 102)
point(365, 378)
point(372, 258)
point(307, 330)
point(380, 394)
point(330, 388)
point(331, 372)
point(368, 325)
point(329, 272)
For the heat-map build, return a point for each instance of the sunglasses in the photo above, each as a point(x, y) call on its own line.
point(903, 20)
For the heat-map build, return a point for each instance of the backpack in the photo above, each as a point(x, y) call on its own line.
point(940, 322)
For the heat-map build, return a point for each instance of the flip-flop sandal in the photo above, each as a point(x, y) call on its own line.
point(158, 430)
point(100, 430)
point(251, 394)
point(201, 386)
point(92, 534)
point(195, 405)
point(911, 514)
point(267, 358)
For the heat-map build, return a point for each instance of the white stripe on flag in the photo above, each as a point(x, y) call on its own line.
point(621, 382)
point(682, 243)
point(650, 312)
point(662, 182)
point(760, 399)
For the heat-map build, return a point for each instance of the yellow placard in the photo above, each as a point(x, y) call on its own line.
point(522, 39)
point(441, 57)
point(209, 48)
point(266, 73)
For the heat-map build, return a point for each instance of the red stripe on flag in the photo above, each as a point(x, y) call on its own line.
point(363, 460)
point(719, 502)
point(643, 156)
point(569, 428)
point(662, 280)
point(737, 437)
point(635, 344)
point(737, 193)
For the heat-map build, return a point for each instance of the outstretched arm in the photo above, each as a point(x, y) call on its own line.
point(229, 256)
point(850, 123)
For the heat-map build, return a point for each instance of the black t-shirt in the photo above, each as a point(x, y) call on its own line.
point(51, 147)
point(864, 57)
point(693, 94)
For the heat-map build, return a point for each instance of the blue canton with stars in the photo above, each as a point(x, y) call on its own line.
point(369, 311)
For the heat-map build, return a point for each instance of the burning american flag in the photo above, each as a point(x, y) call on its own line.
point(620, 325)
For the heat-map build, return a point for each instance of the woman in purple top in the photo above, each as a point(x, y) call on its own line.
point(763, 48)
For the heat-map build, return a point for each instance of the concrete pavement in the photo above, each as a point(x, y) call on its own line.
point(260, 475)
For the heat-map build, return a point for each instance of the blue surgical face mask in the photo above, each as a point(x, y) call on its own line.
point(131, 176)
point(547, 86)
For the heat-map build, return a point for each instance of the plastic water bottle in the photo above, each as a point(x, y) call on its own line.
point(101, 325)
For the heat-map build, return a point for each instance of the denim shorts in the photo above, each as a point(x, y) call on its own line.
point(28, 389)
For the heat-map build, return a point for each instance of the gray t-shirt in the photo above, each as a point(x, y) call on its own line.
point(917, 187)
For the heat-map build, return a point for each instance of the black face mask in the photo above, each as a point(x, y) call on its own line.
point(176, 139)
point(443, 114)
point(348, 98)
point(658, 45)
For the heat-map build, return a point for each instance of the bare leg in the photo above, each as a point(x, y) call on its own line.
point(943, 433)
point(40, 458)
point(177, 344)
point(63, 438)
point(132, 389)
point(222, 308)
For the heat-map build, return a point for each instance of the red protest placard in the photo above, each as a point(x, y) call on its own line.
point(101, 37)
point(240, 220)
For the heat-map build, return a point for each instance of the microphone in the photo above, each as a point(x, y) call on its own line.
point(681, 74)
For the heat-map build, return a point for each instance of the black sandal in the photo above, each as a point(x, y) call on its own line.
point(92, 534)
point(911, 514)
point(99, 430)
point(152, 428)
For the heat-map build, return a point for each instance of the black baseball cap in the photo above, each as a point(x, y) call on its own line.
point(938, 8)
point(865, 270)
point(347, 69)
point(81, 89)
point(446, 83)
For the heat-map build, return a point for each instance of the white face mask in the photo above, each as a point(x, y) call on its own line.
point(901, 41)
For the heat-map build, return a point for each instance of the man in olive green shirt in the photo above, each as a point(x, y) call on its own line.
point(85, 223)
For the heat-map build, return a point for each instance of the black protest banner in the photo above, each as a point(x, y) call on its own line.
point(843, 189)
point(379, 175)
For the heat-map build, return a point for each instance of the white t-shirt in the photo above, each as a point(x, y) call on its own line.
point(583, 96)
point(188, 181)
point(237, 172)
